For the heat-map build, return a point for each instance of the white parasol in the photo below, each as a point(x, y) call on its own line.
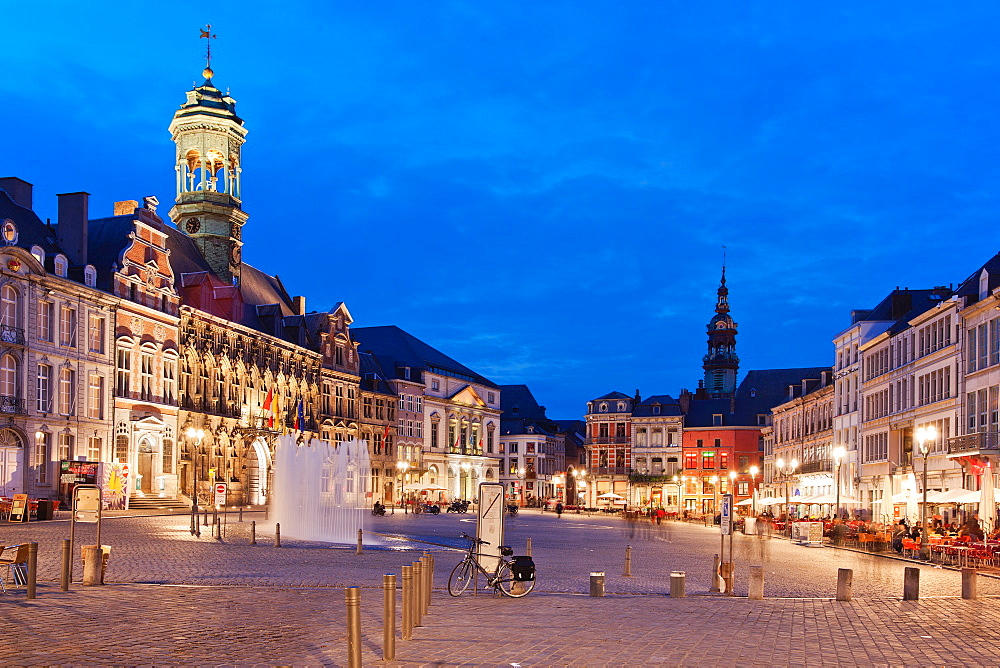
point(887, 511)
point(987, 502)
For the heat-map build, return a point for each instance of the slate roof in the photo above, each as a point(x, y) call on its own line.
point(612, 395)
point(760, 391)
point(516, 401)
point(668, 406)
point(398, 348)
point(31, 231)
point(372, 375)
point(969, 288)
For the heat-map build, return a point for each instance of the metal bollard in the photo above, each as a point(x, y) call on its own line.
point(360, 548)
point(756, 592)
point(388, 617)
point(715, 574)
point(253, 532)
point(241, 514)
point(727, 571)
point(969, 583)
point(266, 513)
point(407, 602)
point(418, 593)
point(911, 584)
point(194, 517)
point(32, 568)
point(218, 529)
point(845, 584)
point(597, 583)
point(527, 548)
point(205, 518)
point(67, 565)
point(93, 557)
point(627, 571)
point(352, 596)
point(277, 535)
point(677, 583)
point(429, 580)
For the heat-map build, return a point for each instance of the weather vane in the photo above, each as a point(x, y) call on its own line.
point(207, 34)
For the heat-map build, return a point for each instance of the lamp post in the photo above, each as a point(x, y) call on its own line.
point(715, 497)
point(838, 457)
point(786, 474)
point(521, 472)
point(402, 466)
point(679, 481)
point(195, 435)
point(924, 436)
point(753, 488)
point(578, 476)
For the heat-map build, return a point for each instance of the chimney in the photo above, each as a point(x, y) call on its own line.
point(638, 398)
point(72, 230)
point(685, 401)
point(299, 305)
point(19, 191)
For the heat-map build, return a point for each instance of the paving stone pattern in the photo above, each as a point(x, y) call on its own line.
point(232, 603)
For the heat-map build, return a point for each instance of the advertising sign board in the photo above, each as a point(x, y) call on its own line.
point(490, 524)
point(726, 521)
point(19, 508)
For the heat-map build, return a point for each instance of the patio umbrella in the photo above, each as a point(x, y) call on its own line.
point(987, 501)
point(745, 502)
point(950, 495)
point(610, 495)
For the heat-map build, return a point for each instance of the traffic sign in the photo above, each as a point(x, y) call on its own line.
point(727, 514)
point(220, 493)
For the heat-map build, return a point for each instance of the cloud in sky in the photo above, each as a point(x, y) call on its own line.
point(542, 190)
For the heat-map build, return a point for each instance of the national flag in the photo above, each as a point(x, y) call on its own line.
point(267, 407)
point(385, 434)
point(300, 418)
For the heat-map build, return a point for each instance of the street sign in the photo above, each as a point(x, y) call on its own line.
point(727, 514)
point(220, 493)
point(88, 504)
point(490, 524)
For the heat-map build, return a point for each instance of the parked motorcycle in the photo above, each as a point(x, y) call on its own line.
point(512, 508)
point(379, 509)
point(458, 506)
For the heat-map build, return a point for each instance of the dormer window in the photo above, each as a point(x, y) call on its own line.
point(90, 276)
point(717, 420)
point(61, 265)
point(604, 408)
point(38, 254)
point(984, 285)
point(531, 429)
point(656, 410)
point(621, 406)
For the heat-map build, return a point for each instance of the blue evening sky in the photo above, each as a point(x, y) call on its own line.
point(542, 189)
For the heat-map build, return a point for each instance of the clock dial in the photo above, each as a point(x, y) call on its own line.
point(192, 225)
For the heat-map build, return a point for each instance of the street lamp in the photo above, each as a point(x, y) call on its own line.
point(786, 474)
point(402, 466)
point(195, 435)
point(679, 481)
point(578, 476)
point(521, 472)
point(838, 457)
point(753, 488)
point(924, 436)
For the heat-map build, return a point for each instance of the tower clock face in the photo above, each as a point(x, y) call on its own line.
point(192, 225)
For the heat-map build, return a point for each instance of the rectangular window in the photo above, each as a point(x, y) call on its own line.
point(434, 434)
point(489, 441)
point(121, 449)
point(723, 460)
point(419, 407)
point(66, 394)
point(123, 373)
point(984, 351)
point(690, 460)
point(43, 443)
point(512, 448)
point(95, 334)
point(971, 336)
point(744, 463)
point(65, 446)
point(46, 310)
point(94, 449)
point(169, 380)
point(743, 488)
point(982, 404)
point(995, 341)
point(95, 397)
point(67, 326)
point(513, 466)
point(146, 377)
point(708, 460)
point(43, 387)
point(970, 413)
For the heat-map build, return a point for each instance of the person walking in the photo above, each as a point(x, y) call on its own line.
point(559, 509)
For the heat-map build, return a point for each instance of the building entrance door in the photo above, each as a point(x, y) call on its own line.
point(146, 472)
point(10, 467)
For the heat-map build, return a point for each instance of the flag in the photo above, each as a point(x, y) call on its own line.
point(385, 435)
point(300, 418)
point(267, 407)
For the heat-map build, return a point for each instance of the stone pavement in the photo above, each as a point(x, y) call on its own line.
point(178, 599)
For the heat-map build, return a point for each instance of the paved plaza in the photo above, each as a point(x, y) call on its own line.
point(176, 599)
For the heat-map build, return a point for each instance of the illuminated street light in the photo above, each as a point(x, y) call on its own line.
point(924, 436)
point(838, 456)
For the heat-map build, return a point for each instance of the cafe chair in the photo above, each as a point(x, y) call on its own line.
point(15, 558)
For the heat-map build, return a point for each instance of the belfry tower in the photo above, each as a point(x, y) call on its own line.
point(721, 363)
point(209, 137)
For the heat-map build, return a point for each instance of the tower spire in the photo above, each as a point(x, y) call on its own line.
point(721, 364)
point(207, 35)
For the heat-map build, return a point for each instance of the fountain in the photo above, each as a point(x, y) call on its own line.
point(321, 490)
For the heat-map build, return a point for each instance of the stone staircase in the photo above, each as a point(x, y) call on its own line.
point(156, 503)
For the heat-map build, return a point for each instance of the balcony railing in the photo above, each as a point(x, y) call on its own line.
point(12, 406)
point(13, 335)
point(988, 441)
point(612, 470)
point(818, 466)
point(609, 440)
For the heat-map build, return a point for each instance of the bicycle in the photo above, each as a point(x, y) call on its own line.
point(514, 578)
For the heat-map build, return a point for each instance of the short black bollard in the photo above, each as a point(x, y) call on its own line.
point(352, 596)
point(67, 565)
point(527, 548)
point(388, 617)
point(32, 568)
point(241, 514)
point(218, 529)
point(911, 584)
point(253, 532)
point(360, 547)
point(277, 535)
point(204, 522)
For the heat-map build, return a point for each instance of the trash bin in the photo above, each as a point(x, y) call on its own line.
point(677, 581)
point(104, 562)
point(597, 583)
point(45, 510)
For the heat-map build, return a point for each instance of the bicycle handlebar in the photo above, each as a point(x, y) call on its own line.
point(474, 539)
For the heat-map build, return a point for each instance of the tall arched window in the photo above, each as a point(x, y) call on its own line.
point(8, 376)
point(8, 306)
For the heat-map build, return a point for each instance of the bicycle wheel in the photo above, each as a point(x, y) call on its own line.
point(511, 587)
point(460, 578)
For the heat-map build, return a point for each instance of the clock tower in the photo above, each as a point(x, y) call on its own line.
point(209, 137)
point(721, 363)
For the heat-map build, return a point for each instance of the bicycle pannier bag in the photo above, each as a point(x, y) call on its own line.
point(523, 569)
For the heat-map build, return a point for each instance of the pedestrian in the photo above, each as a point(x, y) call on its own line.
point(660, 513)
point(559, 509)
